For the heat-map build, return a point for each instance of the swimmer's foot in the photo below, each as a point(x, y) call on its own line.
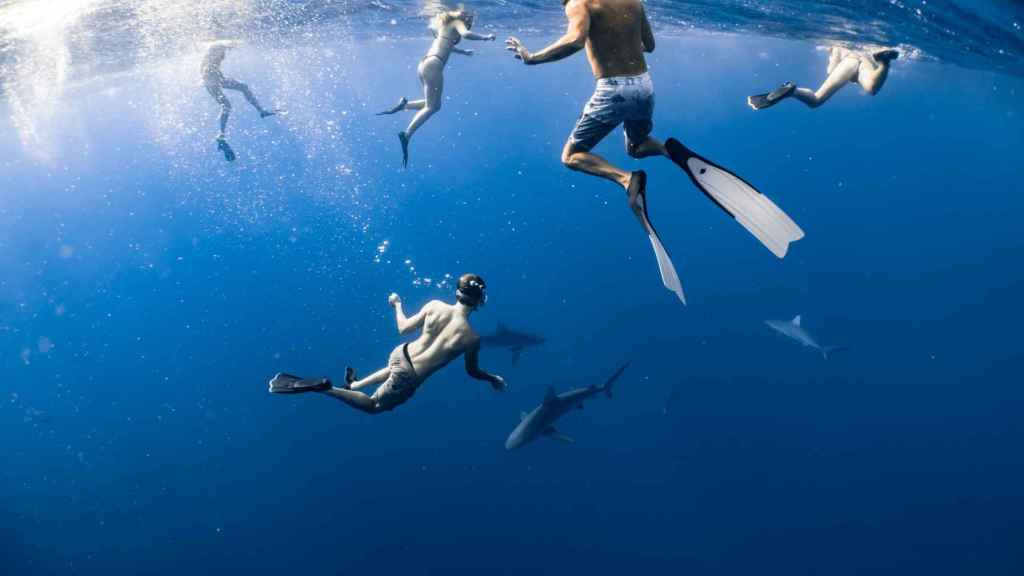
point(637, 194)
point(223, 146)
point(886, 56)
point(762, 101)
point(350, 377)
point(397, 108)
point(405, 148)
point(283, 383)
point(265, 113)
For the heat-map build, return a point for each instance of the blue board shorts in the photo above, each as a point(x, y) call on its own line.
point(627, 100)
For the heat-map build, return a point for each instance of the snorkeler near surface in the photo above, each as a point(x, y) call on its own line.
point(616, 33)
point(869, 69)
point(215, 83)
point(446, 335)
point(449, 28)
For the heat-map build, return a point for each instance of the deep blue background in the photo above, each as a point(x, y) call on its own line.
point(173, 284)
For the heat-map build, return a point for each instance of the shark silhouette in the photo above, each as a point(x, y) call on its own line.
point(541, 420)
point(511, 340)
point(794, 329)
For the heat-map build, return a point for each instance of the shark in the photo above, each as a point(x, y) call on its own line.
point(541, 420)
point(793, 329)
point(510, 340)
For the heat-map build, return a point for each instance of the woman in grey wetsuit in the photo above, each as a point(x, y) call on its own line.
point(449, 28)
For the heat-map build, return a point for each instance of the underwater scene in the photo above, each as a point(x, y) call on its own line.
point(511, 287)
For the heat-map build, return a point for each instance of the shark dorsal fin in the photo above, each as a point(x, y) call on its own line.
point(796, 320)
point(550, 395)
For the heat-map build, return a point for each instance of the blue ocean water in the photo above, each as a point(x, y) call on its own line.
point(150, 289)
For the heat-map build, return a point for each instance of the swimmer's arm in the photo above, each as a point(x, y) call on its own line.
point(645, 32)
point(407, 324)
point(474, 371)
point(468, 34)
point(574, 39)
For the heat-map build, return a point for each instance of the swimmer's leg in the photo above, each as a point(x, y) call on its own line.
point(357, 400)
point(432, 77)
point(377, 377)
point(841, 75)
point(874, 69)
point(225, 107)
point(244, 89)
point(586, 161)
point(647, 148)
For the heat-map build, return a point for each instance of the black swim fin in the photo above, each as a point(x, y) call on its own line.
point(223, 146)
point(404, 139)
point(290, 384)
point(637, 192)
point(762, 101)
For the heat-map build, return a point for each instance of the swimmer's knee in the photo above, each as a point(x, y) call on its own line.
point(569, 152)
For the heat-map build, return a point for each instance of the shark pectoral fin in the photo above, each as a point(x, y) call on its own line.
point(554, 434)
point(517, 352)
point(579, 406)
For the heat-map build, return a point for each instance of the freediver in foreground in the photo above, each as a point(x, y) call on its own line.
point(449, 28)
point(869, 69)
point(616, 33)
point(216, 83)
point(446, 336)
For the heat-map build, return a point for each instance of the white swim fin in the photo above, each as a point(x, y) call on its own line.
point(753, 210)
point(638, 198)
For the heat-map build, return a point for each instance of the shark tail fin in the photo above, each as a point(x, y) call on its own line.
point(608, 383)
point(830, 349)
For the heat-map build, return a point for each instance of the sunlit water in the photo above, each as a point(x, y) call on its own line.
point(149, 289)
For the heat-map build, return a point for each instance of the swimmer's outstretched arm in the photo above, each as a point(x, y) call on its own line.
point(574, 39)
point(406, 325)
point(469, 34)
point(474, 371)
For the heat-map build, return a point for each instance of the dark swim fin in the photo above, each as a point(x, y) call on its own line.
point(405, 148)
point(223, 146)
point(638, 203)
point(753, 210)
point(762, 101)
point(886, 56)
point(289, 384)
point(396, 108)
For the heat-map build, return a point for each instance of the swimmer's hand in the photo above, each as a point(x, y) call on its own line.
point(489, 37)
point(513, 44)
point(498, 383)
point(394, 300)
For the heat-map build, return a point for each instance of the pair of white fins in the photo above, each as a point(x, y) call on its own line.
point(753, 210)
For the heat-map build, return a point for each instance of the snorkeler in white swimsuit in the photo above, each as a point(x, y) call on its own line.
point(870, 70)
point(449, 28)
point(215, 83)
